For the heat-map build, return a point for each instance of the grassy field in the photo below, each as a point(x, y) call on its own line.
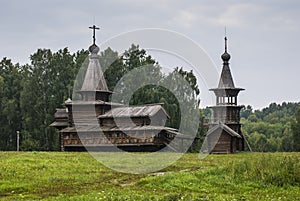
point(78, 176)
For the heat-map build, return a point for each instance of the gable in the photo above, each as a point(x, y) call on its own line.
point(222, 127)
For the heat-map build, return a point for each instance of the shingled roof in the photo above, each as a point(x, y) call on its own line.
point(94, 79)
point(226, 80)
point(135, 111)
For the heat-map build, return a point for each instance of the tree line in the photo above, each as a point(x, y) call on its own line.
point(30, 93)
point(273, 128)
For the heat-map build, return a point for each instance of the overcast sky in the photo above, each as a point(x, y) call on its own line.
point(263, 34)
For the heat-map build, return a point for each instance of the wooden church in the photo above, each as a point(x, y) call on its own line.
point(95, 123)
point(224, 134)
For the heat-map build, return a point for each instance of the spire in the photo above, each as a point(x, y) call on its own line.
point(225, 56)
point(94, 79)
point(225, 43)
point(226, 80)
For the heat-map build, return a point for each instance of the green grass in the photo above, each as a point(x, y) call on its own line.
point(78, 176)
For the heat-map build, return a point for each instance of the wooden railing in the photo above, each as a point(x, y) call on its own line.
point(93, 141)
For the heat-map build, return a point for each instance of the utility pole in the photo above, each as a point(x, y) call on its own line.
point(18, 140)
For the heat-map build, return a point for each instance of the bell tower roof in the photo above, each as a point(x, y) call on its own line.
point(226, 80)
point(226, 85)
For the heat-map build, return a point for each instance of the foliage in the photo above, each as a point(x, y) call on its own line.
point(296, 131)
point(10, 111)
point(269, 129)
point(49, 80)
point(29, 94)
point(78, 176)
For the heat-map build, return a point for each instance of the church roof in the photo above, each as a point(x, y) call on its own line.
point(61, 113)
point(93, 102)
point(59, 124)
point(97, 128)
point(135, 111)
point(94, 79)
point(226, 80)
point(224, 127)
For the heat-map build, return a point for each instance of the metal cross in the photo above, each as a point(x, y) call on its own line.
point(94, 32)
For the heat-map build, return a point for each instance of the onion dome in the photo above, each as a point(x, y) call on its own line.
point(225, 56)
point(94, 49)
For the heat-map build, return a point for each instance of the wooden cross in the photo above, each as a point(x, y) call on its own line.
point(94, 32)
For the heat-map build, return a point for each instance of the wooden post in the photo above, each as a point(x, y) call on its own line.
point(18, 140)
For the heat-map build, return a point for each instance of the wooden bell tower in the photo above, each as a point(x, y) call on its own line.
point(226, 112)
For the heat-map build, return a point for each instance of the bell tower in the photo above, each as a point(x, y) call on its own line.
point(227, 111)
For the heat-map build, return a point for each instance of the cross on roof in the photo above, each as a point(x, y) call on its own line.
point(225, 39)
point(94, 32)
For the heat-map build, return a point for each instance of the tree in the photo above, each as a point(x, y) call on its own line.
point(112, 67)
point(35, 99)
point(246, 111)
point(274, 122)
point(295, 126)
point(258, 142)
point(47, 84)
point(286, 143)
point(10, 117)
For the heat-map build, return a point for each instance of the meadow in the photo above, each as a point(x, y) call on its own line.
point(78, 176)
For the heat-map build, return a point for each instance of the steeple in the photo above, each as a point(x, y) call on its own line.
point(226, 93)
point(226, 80)
point(94, 81)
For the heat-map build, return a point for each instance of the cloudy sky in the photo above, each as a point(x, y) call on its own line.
point(263, 34)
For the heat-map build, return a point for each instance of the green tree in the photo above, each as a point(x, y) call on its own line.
point(112, 67)
point(47, 84)
point(258, 142)
point(10, 115)
point(35, 99)
point(295, 126)
point(286, 143)
point(246, 111)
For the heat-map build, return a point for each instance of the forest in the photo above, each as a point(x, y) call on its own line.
point(274, 128)
point(30, 93)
